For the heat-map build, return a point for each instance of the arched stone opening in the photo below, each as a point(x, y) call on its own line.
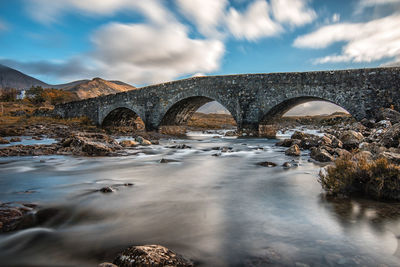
point(189, 113)
point(294, 112)
point(278, 111)
point(123, 118)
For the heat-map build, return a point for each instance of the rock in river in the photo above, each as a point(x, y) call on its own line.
point(128, 143)
point(150, 255)
point(294, 150)
point(320, 154)
point(267, 164)
point(142, 141)
point(4, 141)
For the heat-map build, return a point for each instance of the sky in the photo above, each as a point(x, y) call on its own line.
point(150, 41)
point(143, 42)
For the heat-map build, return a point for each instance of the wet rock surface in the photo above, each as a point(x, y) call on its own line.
point(12, 216)
point(150, 255)
point(268, 164)
point(294, 150)
point(381, 139)
point(4, 141)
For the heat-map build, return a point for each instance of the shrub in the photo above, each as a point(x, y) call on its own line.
point(57, 96)
point(34, 94)
point(359, 175)
point(8, 94)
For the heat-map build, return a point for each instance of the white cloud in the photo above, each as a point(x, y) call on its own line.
point(207, 14)
point(335, 17)
point(142, 53)
point(363, 4)
point(254, 23)
point(156, 51)
point(46, 11)
point(366, 42)
point(294, 12)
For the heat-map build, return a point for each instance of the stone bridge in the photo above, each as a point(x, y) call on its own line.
point(252, 99)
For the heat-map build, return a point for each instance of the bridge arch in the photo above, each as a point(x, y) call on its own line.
point(180, 111)
point(277, 111)
point(121, 116)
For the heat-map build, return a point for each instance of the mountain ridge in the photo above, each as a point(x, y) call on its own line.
point(12, 78)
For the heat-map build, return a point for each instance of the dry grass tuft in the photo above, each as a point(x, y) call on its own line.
point(351, 175)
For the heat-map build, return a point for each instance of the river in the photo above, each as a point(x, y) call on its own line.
point(216, 210)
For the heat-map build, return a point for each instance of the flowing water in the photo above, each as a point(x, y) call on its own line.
point(216, 210)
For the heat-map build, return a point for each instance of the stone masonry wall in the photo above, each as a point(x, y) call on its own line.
point(251, 98)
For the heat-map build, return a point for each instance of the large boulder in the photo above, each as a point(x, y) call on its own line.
point(89, 144)
point(150, 255)
point(321, 154)
point(294, 150)
point(392, 136)
point(389, 114)
point(351, 139)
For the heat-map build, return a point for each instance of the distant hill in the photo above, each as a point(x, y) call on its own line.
point(11, 78)
point(98, 87)
point(15, 79)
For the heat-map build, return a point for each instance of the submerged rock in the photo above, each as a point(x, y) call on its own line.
point(267, 164)
point(15, 139)
point(12, 216)
point(180, 146)
point(107, 189)
point(286, 165)
point(168, 160)
point(150, 255)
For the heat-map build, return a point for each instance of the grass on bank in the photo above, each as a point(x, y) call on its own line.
point(351, 175)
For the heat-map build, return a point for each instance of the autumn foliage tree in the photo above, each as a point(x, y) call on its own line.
point(57, 96)
point(8, 94)
point(38, 95)
point(34, 94)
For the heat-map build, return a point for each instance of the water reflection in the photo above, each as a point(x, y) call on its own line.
point(382, 219)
